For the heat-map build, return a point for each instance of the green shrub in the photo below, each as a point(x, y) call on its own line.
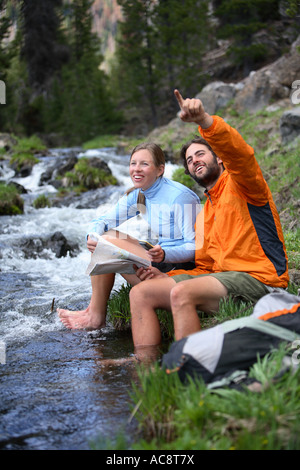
point(41, 202)
point(31, 144)
point(180, 176)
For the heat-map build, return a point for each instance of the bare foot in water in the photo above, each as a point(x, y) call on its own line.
point(80, 319)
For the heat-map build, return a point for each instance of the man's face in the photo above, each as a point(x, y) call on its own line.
point(203, 166)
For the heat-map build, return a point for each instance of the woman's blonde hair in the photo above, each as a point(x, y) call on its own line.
point(156, 152)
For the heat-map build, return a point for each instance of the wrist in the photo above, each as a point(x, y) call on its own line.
point(205, 121)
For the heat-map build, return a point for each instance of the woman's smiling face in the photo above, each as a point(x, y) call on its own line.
point(142, 169)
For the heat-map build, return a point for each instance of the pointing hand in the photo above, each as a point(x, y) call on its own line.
point(192, 110)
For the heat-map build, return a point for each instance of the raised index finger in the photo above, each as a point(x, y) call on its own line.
point(179, 98)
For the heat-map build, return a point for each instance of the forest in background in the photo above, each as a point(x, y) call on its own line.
point(52, 64)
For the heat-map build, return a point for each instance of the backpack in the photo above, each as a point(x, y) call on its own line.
point(224, 354)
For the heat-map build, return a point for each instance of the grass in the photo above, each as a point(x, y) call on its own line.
point(118, 308)
point(176, 416)
point(123, 143)
point(102, 141)
point(292, 241)
point(31, 144)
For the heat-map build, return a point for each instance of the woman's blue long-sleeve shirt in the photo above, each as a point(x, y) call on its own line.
point(171, 210)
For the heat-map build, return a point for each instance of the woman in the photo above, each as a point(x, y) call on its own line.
point(170, 210)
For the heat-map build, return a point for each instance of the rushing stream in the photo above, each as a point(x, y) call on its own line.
point(57, 391)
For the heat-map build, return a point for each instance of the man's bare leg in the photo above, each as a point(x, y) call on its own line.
point(144, 299)
point(182, 299)
point(202, 293)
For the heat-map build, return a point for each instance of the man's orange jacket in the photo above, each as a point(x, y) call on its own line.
point(239, 228)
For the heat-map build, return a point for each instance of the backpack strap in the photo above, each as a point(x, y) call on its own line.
point(260, 325)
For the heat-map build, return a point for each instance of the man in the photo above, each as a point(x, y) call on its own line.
point(239, 241)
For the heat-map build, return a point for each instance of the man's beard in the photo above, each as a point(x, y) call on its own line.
point(210, 176)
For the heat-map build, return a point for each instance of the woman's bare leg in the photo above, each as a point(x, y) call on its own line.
point(94, 316)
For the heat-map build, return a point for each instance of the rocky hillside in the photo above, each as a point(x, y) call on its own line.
point(106, 14)
point(270, 87)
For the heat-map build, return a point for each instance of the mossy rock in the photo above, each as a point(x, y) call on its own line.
point(90, 173)
point(11, 202)
point(22, 163)
point(23, 154)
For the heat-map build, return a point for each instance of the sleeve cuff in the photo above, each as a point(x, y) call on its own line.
point(211, 129)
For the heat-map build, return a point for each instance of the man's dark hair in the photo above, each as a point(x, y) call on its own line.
point(195, 140)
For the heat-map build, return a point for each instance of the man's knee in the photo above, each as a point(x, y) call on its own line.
point(135, 293)
point(178, 295)
point(152, 293)
point(139, 293)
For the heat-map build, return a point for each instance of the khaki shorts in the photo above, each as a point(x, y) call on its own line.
point(239, 285)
